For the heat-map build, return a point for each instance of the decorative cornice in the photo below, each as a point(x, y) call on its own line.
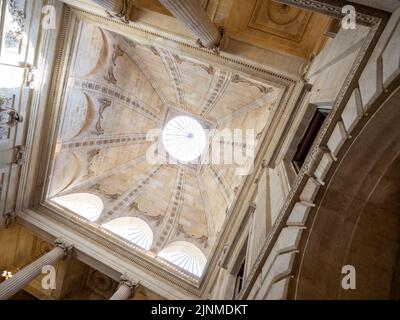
point(331, 10)
point(179, 41)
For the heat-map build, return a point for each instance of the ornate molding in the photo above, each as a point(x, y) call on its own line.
point(207, 68)
point(20, 155)
point(6, 108)
point(104, 104)
point(219, 84)
point(225, 58)
point(30, 76)
point(216, 48)
point(123, 97)
point(65, 246)
point(129, 282)
point(128, 198)
point(238, 79)
point(175, 76)
point(173, 211)
point(9, 220)
point(117, 52)
point(97, 188)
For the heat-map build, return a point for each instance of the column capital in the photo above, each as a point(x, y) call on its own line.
point(216, 46)
point(65, 246)
point(129, 282)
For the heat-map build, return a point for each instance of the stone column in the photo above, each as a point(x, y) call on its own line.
point(22, 278)
point(126, 289)
point(193, 15)
point(113, 6)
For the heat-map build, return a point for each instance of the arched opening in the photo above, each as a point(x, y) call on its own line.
point(86, 205)
point(186, 256)
point(134, 230)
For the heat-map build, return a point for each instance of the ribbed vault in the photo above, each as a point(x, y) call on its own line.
point(121, 89)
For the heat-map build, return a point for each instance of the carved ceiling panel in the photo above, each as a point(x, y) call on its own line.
point(277, 27)
point(281, 20)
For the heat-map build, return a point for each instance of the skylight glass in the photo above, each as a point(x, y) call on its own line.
point(132, 229)
point(184, 138)
point(185, 261)
point(86, 205)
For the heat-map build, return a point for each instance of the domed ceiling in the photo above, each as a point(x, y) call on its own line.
point(118, 91)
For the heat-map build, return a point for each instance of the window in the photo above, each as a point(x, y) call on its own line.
point(86, 205)
point(309, 137)
point(184, 138)
point(132, 229)
point(186, 256)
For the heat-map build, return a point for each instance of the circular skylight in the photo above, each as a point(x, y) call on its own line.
point(184, 138)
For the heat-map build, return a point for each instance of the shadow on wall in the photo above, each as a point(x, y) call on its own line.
point(358, 220)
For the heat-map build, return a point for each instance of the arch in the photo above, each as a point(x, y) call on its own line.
point(186, 256)
point(86, 205)
point(134, 230)
point(356, 221)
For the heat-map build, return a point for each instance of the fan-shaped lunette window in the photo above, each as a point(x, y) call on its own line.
point(132, 229)
point(186, 256)
point(86, 205)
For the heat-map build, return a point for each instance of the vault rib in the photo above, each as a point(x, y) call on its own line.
point(175, 76)
point(109, 141)
point(117, 94)
point(173, 211)
point(128, 198)
point(218, 86)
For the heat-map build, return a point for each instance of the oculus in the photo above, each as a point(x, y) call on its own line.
point(184, 138)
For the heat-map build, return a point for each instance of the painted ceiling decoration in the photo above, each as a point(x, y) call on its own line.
point(119, 90)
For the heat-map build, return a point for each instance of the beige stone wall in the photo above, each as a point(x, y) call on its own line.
point(273, 282)
point(331, 67)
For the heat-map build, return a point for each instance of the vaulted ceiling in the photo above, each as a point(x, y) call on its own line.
point(118, 90)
